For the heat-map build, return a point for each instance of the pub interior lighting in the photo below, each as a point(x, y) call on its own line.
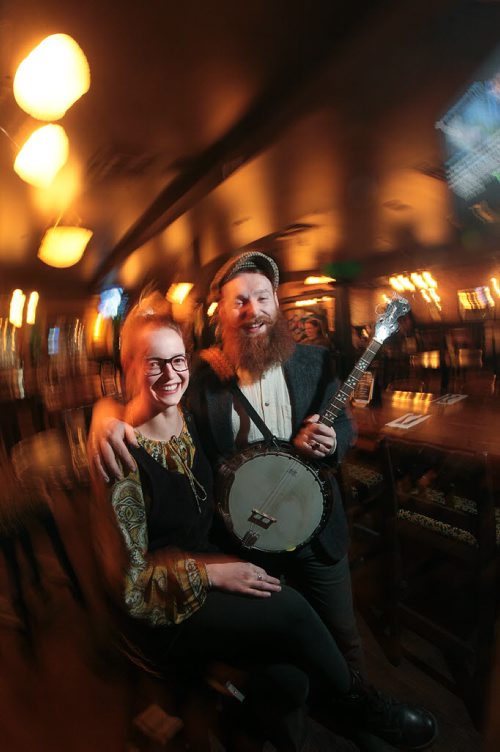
point(42, 155)
point(496, 286)
point(476, 299)
point(16, 308)
point(52, 78)
point(312, 301)
point(178, 292)
point(321, 280)
point(96, 333)
point(32, 304)
point(419, 400)
point(435, 297)
point(212, 308)
point(63, 246)
point(423, 281)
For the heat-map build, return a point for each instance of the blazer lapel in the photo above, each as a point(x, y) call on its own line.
point(296, 380)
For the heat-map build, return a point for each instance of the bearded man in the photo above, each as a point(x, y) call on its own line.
point(288, 385)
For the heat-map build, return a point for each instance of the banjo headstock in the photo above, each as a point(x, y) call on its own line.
point(387, 322)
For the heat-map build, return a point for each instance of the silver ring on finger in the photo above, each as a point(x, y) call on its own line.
point(259, 577)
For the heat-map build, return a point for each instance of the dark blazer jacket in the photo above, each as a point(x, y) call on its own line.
point(310, 384)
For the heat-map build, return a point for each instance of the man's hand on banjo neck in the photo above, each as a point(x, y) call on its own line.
point(315, 440)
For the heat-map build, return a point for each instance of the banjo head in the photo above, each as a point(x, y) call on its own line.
point(272, 500)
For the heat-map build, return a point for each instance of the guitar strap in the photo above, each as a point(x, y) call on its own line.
point(250, 410)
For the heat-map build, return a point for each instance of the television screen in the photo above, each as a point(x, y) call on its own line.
point(112, 302)
point(471, 130)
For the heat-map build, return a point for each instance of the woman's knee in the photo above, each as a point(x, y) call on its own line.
point(293, 609)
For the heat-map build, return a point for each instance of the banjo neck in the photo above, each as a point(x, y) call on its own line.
point(341, 397)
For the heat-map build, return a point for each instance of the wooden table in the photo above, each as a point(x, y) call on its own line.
point(471, 424)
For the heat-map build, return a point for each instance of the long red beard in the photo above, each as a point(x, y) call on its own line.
point(257, 354)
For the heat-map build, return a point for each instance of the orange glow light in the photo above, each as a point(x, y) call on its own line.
point(178, 292)
point(32, 304)
point(63, 246)
point(322, 280)
point(52, 78)
point(16, 308)
point(42, 155)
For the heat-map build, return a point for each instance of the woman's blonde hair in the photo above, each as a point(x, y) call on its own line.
point(153, 311)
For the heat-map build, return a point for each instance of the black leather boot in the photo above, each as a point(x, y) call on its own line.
point(400, 724)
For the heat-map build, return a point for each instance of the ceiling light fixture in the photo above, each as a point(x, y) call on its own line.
point(63, 246)
point(52, 78)
point(42, 155)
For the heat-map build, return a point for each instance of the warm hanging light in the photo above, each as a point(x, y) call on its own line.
point(32, 304)
point(418, 280)
point(429, 279)
point(16, 308)
point(42, 155)
point(396, 284)
point(212, 308)
point(53, 76)
point(178, 292)
point(407, 283)
point(312, 301)
point(321, 280)
point(63, 246)
point(97, 331)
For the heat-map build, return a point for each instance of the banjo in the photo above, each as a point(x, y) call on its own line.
point(271, 498)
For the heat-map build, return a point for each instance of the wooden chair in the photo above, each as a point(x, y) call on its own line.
point(479, 384)
point(445, 534)
point(45, 473)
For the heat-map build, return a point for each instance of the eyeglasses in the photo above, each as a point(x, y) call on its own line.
point(156, 366)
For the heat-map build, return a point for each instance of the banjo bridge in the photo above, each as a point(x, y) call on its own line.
point(261, 519)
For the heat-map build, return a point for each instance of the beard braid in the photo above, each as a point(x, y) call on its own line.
point(257, 354)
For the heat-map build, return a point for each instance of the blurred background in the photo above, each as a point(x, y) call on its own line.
point(356, 143)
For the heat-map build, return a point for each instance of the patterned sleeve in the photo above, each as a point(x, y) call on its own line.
point(161, 593)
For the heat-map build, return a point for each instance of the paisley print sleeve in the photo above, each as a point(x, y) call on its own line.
point(160, 593)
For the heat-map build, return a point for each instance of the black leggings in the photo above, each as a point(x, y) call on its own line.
point(282, 629)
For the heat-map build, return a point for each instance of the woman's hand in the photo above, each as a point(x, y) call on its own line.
point(315, 439)
point(243, 577)
point(108, 434)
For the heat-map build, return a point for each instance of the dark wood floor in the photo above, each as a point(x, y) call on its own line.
point(63, 695)
point(457, 733)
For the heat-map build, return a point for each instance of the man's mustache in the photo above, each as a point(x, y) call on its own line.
point(257, 320)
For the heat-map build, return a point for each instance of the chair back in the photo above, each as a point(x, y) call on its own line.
point(448, 493)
